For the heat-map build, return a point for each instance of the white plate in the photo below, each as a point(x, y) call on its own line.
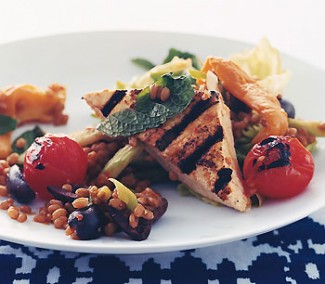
point(92, 61)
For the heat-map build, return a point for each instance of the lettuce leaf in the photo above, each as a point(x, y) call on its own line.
point(264, 63)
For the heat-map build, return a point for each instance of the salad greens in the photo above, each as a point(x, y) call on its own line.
point(143, 63)
point(7, 124)
point(147, 113)
point(29, 136)
point(121, 160)
point(196, 63)
point(173, 52)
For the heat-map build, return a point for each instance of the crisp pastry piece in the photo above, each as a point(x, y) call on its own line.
point(197, 145)
point(27, 103)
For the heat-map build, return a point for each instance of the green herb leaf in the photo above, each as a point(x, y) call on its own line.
point(29, 137)
point(181, 54)
point(7, 124)
point(143, 63)
point(181, 93)
point(147, 113)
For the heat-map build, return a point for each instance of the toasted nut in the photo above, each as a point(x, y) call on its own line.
point(164, 94)
point(139, 210)
point(3, 190)
point(40, 218)
point(67, 187)
point(61, 222)
point(4, 205)
point(133, 221)
point(53, 207)
point(148, 215)
point(20, 143)
point(116, 203)
point(22, 217)
point(55, 201)
point(80, 202)
point(12, 159)
point(104, 193)
point(153, 91)
point(69, 231)
point(154, 202)
point(25, 209)
point(142, 200)
point(58, 213)
point(3, 179)
point(42, 211)
point(82, 192)
point(13, 212)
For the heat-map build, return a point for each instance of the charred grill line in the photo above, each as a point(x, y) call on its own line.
point(115, 99)
point(224, 175)
point(188, 164)
point(171, 134)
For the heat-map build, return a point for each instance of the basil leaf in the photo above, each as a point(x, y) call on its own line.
point(7, 124)
point(29, 137)
point(181, 54)
point(147, 113)
point(143, 63)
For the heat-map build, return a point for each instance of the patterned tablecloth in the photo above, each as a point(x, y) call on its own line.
point(292, 254)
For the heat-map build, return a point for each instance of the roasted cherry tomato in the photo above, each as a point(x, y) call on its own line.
point(54, 160)
point(278, 167)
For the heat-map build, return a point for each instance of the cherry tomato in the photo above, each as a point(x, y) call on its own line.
point(54, 160)
point(278, 167)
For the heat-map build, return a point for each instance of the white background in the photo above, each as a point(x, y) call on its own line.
point(296, 27)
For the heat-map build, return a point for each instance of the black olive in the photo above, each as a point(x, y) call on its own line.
point(142, 231)
point(61, 194)
point(87, 223)
point(121, 217)
point(288, 108)
point(17, 186)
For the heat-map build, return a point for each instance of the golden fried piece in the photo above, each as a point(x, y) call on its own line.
point(27, 103)
point(273, 118)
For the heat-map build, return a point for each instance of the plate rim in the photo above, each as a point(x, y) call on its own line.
point(155, 248)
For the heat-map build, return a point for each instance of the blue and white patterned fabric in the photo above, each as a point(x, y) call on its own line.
point(292, 254)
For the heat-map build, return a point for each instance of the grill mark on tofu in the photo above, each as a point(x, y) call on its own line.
point(128, 101)
point(170, 135)
point(113, 101)
point(224, 175)
point(151, 136)
point(188, 164)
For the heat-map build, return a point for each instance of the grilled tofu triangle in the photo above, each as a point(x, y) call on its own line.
point(197, 145)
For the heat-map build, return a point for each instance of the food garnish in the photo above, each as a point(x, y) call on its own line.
point(274, 119)
point(223, 129)
point(146, 113)
point(278, 167)
point(54, 160)
point(28, 103)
